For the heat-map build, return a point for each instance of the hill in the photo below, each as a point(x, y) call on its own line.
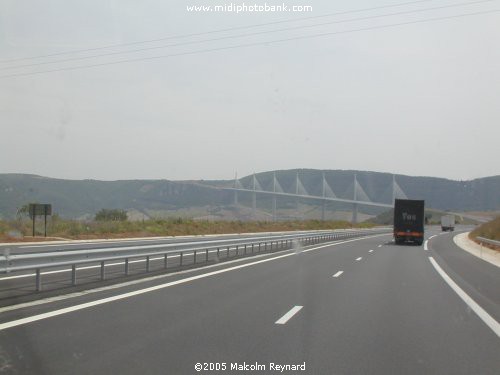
point(202, 199)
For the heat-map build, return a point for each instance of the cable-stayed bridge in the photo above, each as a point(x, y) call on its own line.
point(299, 192)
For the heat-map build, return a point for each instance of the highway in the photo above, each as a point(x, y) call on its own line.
point(357, 306)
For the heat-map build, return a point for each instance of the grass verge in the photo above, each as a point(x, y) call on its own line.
point(490, 230)
point(21, 230)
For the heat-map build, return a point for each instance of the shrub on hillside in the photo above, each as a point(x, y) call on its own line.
point(111, 215)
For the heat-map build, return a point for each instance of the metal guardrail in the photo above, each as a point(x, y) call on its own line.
point(488, 241)
point(179, 254)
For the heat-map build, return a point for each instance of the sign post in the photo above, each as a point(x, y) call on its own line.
point(40, 209)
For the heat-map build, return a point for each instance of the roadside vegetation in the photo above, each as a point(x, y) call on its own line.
point(489, 230)
point(20, 229)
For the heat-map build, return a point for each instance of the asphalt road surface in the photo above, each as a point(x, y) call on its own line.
point(361, 306)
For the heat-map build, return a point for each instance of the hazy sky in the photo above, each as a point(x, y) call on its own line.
point(417, 99)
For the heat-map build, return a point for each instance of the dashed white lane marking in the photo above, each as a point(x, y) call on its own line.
point(379, 245)
point(370, 251)
point(358, 259)
point(338, 274)
point(425, 245)
point(485, 317)
point(285, 318)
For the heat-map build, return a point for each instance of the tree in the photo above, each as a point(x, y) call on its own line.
point(111, 215)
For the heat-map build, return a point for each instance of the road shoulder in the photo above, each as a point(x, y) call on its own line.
point(491, 256)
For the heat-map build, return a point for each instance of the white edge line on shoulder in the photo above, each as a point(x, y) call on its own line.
point(481, 313)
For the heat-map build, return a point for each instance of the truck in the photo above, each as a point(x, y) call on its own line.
point(409, 221)
point(448, 223)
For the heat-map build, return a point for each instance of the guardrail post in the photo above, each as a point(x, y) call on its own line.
point(218, 251)
point(38, 281)
point(103, 275)
point(147, 264)
point(245, 251)
point(252, 248)
point(194, 257)
point(206, 256)
point(73, 274)
point(227, 253)
point(126, 267)
point(259, 247)
point(165, 260)
point(181, 258)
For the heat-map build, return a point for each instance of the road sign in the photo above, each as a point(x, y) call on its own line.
point(37, 209)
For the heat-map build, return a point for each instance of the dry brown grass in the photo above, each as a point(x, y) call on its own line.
point(489, 230)
point(17, 231)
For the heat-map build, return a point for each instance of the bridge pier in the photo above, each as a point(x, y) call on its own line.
point(274, 208)
point(300, 194)
point(254, 204)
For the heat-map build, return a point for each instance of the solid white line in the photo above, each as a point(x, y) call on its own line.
point(431, 237)
point(82, 306)
point(370, 251)
point(338, 274)
point(485, 317)
point(425, 245)
point(285, 318)
point(358, 259)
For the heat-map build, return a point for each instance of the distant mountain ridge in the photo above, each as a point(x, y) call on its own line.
point(80, 198)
